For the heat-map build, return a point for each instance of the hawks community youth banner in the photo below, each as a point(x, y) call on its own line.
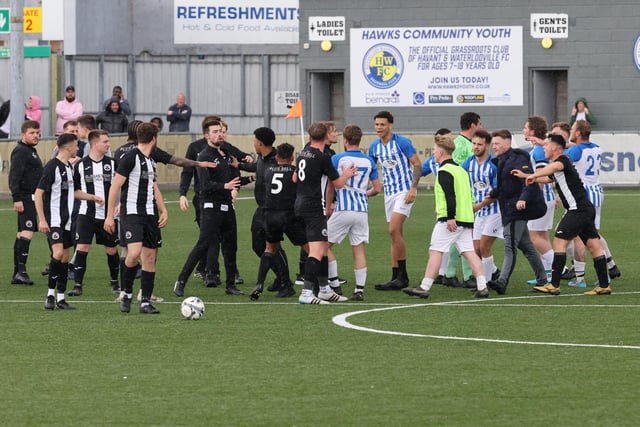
point(235, 22)
point(439, 66)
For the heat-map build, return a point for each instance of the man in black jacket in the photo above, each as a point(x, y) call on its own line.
point(24, 175)
point(518, 204)
point(188, 174)
point(112, 118)
point(217, 218)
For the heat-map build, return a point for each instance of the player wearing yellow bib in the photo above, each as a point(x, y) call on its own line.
point(454, 226)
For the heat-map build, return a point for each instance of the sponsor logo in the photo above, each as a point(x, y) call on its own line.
point(504, 98)
point(382, 98)
point(440, 99)
point(418, 98)
point(389, 163)
point(470, 99)
point(480, 186)
point(383, 66)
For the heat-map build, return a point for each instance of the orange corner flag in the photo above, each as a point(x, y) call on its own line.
point(296, 110)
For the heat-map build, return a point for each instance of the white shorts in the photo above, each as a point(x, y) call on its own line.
point(348, 223)
point(488, 225)
point(544, 223)
point(442, 239)
point(598, 209)
point(395, 203)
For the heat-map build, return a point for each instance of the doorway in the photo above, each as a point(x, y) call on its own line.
point(327, 96)
point(549, 94)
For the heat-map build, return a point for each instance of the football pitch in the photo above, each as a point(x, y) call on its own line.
point(517, 359)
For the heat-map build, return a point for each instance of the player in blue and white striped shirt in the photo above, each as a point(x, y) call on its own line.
point(487, 226)
point(401, 173)
point(430, 166)
point(350, 216)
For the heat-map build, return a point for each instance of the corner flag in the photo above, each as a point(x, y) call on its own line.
point(296, 110)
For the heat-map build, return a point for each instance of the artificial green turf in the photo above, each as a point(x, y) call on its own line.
point(275, 362)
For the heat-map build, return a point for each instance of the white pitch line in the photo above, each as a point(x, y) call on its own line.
point(549, 305)
point(292, 302)
point(342, 320)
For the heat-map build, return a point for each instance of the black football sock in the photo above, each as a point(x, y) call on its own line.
point(600, 264)
point(61, 282)
point(559, 260)
point(113, 261)
point(55, 268)
point(311, 270)
point(147, 280)
point(128, 276)
point(402, 270)
point(266, 262)
point(23, 254)
point(80, 267)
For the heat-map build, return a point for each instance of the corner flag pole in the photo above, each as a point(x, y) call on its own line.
point(302, 132)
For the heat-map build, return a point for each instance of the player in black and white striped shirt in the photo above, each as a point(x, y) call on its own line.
point(159, 156)
point(142, 215)
point(578, 219)
point(93, 176)
point(54, 203)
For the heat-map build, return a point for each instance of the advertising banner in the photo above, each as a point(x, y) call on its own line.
point(439, 66)
point(236, 22)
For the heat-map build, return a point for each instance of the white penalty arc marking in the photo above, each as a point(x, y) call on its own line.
point(342, 320)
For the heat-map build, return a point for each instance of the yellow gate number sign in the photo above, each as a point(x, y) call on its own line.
point(32, 19)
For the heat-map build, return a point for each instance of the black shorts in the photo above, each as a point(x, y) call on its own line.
point(87, 227)
point(279, 223)
point(577, 223)
point(315, 228)
point(60, 235)
point(27, 219)
point(141, 228)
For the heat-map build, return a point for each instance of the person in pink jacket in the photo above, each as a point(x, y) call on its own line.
point(67, 109)
point(32, 110)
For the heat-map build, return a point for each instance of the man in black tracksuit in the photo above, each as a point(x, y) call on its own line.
point(208, 267)
point(187, 175)
point(518, 204)
point(217, 217)
point(24, 174)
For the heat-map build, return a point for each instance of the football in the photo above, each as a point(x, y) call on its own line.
point(192, 308)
